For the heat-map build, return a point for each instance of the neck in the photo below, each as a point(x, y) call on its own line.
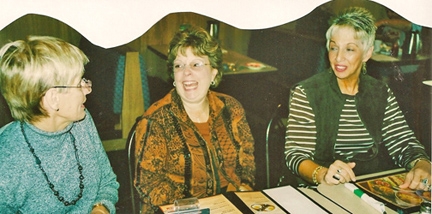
point(49, 124)
point(198, 112)
point(349, 87)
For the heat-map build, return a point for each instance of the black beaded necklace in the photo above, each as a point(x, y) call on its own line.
point(51, 185)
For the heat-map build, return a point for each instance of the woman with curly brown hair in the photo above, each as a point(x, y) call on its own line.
point(194, 142)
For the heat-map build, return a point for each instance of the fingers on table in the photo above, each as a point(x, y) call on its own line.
point(340, 175)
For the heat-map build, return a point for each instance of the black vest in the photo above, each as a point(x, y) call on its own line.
point(327, 102)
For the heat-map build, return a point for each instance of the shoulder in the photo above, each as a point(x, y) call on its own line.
point(224, 101)
point(225, 104)
point(228, 100)
point(11, 143)
point(317, 80)
point(8, 133)
point(298, 91)
point(369, 84)
point(159, 106)
point(372, 81)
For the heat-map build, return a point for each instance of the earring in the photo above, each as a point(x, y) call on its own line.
point(212, 83)
point(174, 84)
point(364, 71)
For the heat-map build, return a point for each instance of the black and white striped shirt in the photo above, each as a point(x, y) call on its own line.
point(352, 138)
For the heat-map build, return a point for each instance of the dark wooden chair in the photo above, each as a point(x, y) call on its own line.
point(130, 149)
point(277, 173)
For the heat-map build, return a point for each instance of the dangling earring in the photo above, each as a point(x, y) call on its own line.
point(174, 84)
point(212, 83)
point(364, 71)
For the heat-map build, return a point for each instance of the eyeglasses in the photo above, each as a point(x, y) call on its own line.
point(85, 83)
point(194, 66)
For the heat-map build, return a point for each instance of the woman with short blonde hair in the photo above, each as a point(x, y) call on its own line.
point(51, 157)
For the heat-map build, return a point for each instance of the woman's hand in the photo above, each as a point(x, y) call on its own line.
point(339, 172)
point(419, 177)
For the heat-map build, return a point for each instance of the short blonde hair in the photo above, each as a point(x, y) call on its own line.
point(30, 68)
point(361, 20)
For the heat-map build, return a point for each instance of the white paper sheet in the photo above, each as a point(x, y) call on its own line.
point(293, 201)
point(217, 204)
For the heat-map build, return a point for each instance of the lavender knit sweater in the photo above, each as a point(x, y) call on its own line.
point(23, 188)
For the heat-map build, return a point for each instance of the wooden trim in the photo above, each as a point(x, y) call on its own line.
point(133, 101)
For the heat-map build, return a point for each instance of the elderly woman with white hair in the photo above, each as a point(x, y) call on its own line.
point(51, 156)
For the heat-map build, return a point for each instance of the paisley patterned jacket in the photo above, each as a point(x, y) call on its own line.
point(174, 161)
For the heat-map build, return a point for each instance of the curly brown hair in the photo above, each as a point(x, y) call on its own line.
point(201, 43)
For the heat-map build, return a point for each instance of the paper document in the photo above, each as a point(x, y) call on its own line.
point(217, 204)
point(293, 201)
point(257, 202)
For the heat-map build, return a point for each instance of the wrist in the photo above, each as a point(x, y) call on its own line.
point(315, 178)
point(413, 163)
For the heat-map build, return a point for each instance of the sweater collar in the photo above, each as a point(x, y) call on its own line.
point(178, 110)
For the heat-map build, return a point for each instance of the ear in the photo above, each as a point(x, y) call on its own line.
point(214, 72)
point(368, 54)
point(50, 101)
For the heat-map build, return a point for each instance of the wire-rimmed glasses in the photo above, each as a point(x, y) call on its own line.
point(194, 66)
point(84, 83)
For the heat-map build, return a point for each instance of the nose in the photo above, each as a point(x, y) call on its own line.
point(86, 86)
point(86, 90)
point(338, 56)
point(187, 70)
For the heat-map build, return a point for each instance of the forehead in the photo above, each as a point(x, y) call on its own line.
point(188, 53)
point(344, 34)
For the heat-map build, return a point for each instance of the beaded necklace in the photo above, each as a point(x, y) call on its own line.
point(51, 185)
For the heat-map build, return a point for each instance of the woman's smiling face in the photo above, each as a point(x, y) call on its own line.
point(192, 76)
point(346, 53)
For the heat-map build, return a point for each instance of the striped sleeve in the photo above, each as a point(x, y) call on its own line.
point(300, 140)
point(300, 137)
point(399, 139)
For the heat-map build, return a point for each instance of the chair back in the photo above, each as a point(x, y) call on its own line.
point(275, 147)
point(130, 148)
